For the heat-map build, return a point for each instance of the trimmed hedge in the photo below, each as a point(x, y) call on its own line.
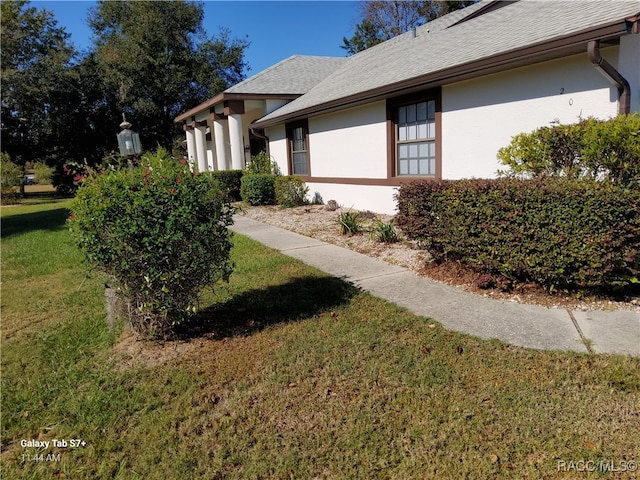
point(590, 148)
point(556, 232)
point(230, 182)
point(258, 189)
point(291, 191)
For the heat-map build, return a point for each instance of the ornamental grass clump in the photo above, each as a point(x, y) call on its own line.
point(160, 232)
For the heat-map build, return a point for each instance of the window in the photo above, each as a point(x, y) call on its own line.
point(298, 140)
point(416, 138)
point(414, 135)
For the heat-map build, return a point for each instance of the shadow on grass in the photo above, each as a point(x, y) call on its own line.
point(51, 220)
point(254, 310)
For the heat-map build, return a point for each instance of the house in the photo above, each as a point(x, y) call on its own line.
point(439, 101)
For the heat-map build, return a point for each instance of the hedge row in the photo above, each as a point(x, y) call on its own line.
point(556, 232)
point(269, 189)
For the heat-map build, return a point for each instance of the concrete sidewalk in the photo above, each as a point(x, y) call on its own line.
point(518, 324)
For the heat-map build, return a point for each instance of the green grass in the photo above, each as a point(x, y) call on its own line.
point(286, 373)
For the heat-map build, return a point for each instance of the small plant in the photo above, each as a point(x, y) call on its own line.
point(262, 164)
point(291, 191)
point(332, 206)
point(384, 232)
point(349, 223)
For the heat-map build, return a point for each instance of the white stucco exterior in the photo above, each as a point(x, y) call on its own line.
point(480, 116)
point(349, 144)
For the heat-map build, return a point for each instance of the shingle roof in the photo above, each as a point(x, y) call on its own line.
point(296, 74)
point(289, 78)
point(441, 46)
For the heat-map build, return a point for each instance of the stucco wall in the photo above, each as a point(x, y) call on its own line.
point(482, 115)
point(350, 144)
point(629, 66)
point(378, 199)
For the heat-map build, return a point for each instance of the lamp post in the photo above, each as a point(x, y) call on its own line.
point(128, 140)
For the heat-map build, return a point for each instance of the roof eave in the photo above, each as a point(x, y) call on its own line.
point(224, 96)
point(531, 54)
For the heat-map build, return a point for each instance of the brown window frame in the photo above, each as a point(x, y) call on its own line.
point(290, 127)
point(392, 128)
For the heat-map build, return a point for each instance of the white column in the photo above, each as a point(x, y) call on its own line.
point(211, 155)
point(221, 154)
point(191, 147)
point(235, 138)
point(201, 148)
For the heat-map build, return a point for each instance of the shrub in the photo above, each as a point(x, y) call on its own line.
point(591, 148)
point(43, 173)
point(11, 178)
point(291, 191)
point(262, 164)
point(349, 223)
point(160, 232)
point(557, 232)
point(384, 232)
point(230, 182)
point(258, 189)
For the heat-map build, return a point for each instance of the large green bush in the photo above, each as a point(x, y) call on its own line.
point(258, 189)
point(556, 232)
point(290, 191)
point(591, 148)
point(230, 182)
point(160, 231)
point(11, 178)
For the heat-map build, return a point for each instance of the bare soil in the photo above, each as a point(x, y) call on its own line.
point(317, 222)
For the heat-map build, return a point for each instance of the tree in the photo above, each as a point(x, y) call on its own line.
point(36, 74)
point(383, 20)
point(156, 61)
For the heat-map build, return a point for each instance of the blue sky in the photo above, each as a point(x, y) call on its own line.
point(276, 29)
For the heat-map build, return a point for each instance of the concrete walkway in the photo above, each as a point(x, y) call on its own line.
point(518, 324)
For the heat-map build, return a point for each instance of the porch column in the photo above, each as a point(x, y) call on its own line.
point(235, 138)
point(221, 151)
point(234, 109)
point(201, 147)
point(191, 146)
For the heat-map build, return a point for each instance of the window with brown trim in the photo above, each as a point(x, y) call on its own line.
point(414, 135)
point(298, 148)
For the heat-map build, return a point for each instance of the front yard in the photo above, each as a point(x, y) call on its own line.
point(288, 373)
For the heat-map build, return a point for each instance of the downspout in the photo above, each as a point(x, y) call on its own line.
point(264, 137)
point(611, 74)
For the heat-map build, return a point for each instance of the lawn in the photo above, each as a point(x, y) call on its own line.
point(286, 373)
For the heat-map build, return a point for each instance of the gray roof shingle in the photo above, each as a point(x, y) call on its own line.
point(443, 45)
point(294, 75)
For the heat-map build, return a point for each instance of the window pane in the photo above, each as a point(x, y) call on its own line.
point(413, 150)
point(300, 164)
point(403, 151)
point(411, 113)
point(412, 131)
point(422, 111)
point(432, 166)
point(402, 115)
point(432, 109)
point(432, 149)
point(413, 167)
point(431, 129)
point(402, 133)
point(422, 130)
point(403, 167)
point(424, 150)
point(424, 167)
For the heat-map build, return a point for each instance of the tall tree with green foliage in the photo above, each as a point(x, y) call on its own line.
point(157, 61)
point(383, 20)
point(37, 76)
